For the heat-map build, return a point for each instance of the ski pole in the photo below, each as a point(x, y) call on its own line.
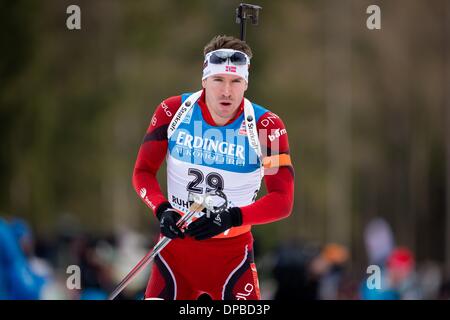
point(197, 206)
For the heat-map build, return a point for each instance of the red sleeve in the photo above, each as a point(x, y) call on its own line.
point(152, 152)
point(278, 202)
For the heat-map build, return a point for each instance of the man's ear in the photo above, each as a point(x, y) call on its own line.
point(246, 85)
point(204, 84)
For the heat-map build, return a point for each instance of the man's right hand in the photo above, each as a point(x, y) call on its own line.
point(168, 218)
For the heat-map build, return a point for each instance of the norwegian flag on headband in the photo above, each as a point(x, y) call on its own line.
point(230, 68)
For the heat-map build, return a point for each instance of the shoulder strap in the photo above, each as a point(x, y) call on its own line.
point(250, 126)
point(252, 131)
point(182, 112)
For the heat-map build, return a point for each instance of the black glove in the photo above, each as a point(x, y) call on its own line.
point(206, 227)
point(168, 218)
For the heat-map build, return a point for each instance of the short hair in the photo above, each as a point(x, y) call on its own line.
point(227, 42)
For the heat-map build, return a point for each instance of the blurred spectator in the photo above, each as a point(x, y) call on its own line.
point(25, 239)
point(430, 278)
point(329, 267)
point(94, 257)
point(292, 260)
point(402, 275)
point(132, 247)
point(444, 290)
point(304, 272)
point(398, 279)
point(379, 241)
point(17, 279)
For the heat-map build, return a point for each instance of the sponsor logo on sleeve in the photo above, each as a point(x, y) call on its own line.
point(276, 134)
point(143, 194)
point(166, 109)
point(269, 119)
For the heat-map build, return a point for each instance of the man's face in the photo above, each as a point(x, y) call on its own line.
point(224, 93)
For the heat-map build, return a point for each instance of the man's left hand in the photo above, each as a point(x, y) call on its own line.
point(207, 227)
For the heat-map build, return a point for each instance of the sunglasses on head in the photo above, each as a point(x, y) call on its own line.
point(221, 57)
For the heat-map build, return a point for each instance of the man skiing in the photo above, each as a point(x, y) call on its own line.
point(214, 139)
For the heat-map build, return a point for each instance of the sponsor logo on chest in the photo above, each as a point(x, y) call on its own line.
point(185, 139)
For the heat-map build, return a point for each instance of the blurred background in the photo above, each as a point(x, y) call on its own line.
point(367, 113)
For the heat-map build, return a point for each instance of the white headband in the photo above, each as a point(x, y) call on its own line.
point(228, 67)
